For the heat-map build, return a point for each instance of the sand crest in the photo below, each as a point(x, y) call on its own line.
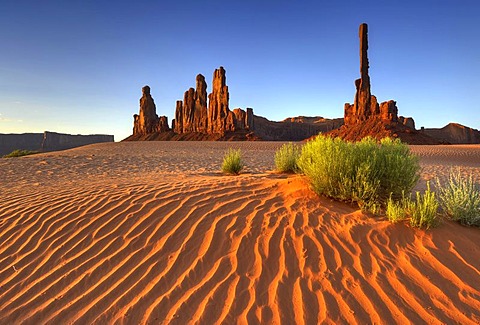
point(153, 233)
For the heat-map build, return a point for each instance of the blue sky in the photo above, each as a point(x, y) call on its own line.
point(78, 66)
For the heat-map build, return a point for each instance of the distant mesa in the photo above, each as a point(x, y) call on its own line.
point(202, 117)
point(454, 133)
point(48, 141)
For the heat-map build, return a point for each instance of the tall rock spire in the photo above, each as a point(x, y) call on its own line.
point(366, 105)
point(218, 102)
point(201, 118)
point(147, 121)
point(363, 94)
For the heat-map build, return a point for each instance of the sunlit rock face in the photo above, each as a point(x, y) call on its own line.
point(365, 105)
point(367, 118)
point(147, 121)
point(192, 115)
point(201, 117)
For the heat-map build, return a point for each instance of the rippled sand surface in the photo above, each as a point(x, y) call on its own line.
point(152, 232)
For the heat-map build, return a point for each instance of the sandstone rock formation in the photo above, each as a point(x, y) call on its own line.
point(24, 141)
point(194, 121)
point(192, 115)
point(294, 129)
point(147, 121)
point(59, 141)
point(218, 111)
point(407, 121)
point(365, 117)
point(454, 133)
point(201, 117)
point(48, 141)
point(366, 105)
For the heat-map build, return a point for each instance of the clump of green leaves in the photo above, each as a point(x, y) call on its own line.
point(286, 158)
point(20, 153)
point(232, 162)
point(397, 210)
point(460, 199)
point(424, 210)
point(365, 172)
point(421, 212)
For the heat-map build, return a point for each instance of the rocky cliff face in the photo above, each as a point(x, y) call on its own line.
point(194, 121)
point(294, 129)
point(25, 141)
point(454, 133)
point(366, 117)
point(218, 111)
point(192, 115)
point(407, 121)
point(58, 141)
point(147, 121)
point(366, 105)
point(47, 141)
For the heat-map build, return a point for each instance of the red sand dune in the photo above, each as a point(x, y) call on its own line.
point(153, 233)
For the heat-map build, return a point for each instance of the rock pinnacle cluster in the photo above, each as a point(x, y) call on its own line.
point(192, 115)
point(208, 117)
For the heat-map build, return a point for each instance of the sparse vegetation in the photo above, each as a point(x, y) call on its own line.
point(364, 172)
point(460, 199)
point(20, 153)
point(397, 210)
point(423, 212)
point(286, 158)
point(232, 162)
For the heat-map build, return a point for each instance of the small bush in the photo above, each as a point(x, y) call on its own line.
point(460, 199)
point(286, 158)
point(365, 172)
point(397, 210)
point(20, 153)
point(232, 162)
point(424, 210)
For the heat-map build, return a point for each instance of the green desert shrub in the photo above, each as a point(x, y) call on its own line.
point(423, 212)
point(286, 158)
point(20, 153)
point(232, 162)
point(460, 199)
point(397, 210)
point(365, 172)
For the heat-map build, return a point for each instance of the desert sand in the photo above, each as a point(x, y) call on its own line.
point(152, 232)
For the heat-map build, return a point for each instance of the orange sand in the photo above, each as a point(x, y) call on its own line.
point(153, 233)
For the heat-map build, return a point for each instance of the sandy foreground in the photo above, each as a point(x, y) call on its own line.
point(152, 232)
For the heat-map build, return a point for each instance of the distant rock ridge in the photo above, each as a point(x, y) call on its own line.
point(48, 141)
point(454, 133)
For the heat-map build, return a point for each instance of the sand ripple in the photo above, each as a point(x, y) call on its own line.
point(188, 246)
